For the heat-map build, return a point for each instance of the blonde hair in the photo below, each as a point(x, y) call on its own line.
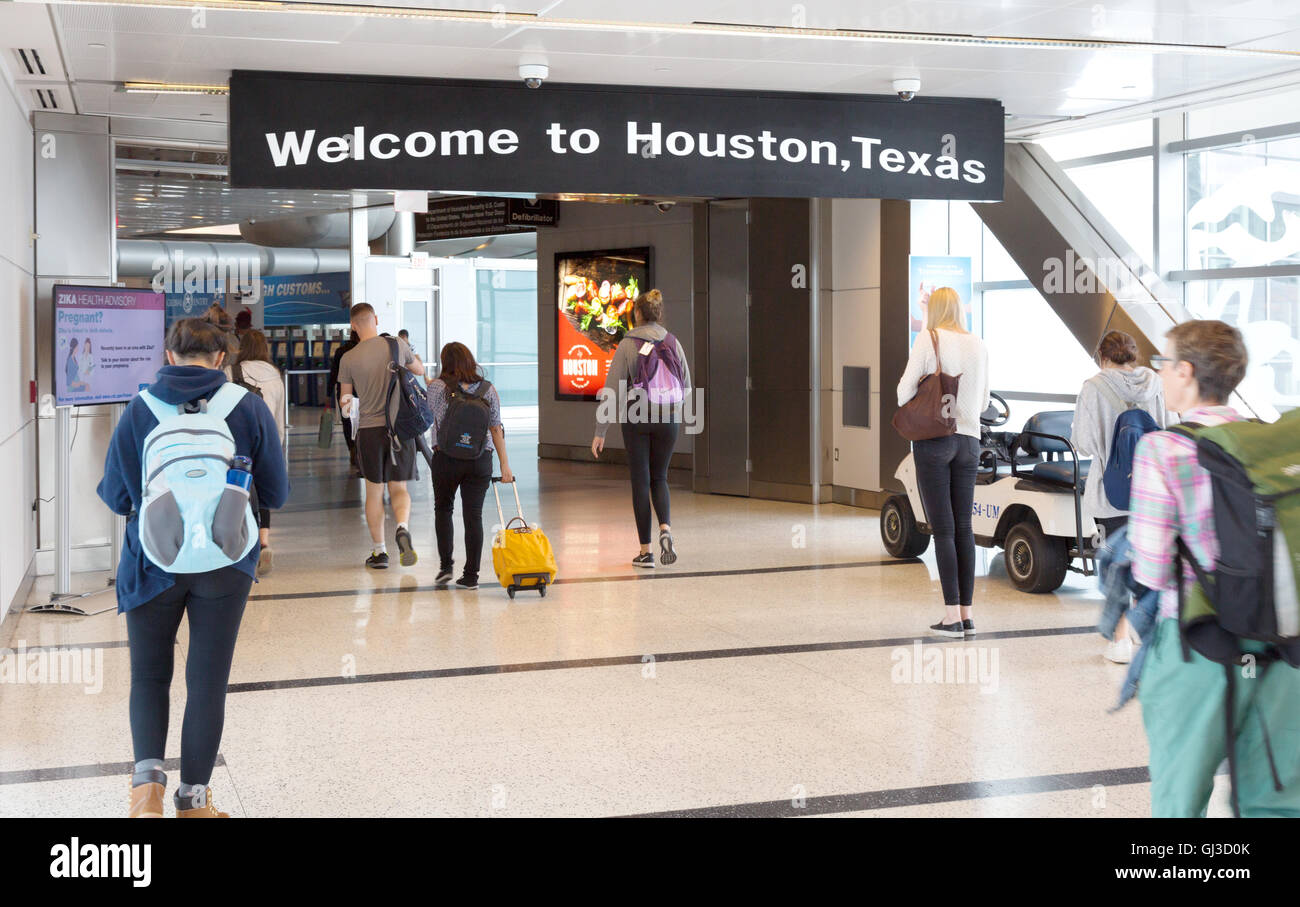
point(944, 311)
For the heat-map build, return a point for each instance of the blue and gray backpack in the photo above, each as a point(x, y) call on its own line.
point(1130, 425)
point(193, 519)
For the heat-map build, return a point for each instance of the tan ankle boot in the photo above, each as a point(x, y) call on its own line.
point(147, 801)
point(209, 811)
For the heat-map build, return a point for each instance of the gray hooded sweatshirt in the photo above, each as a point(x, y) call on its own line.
point(1094, 423)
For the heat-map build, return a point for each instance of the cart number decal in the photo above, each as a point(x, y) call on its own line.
point(986, 510)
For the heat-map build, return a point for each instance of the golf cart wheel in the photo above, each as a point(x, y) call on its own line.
point(1035, 562)
point(898, 529)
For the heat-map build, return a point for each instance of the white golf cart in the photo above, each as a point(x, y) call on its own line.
point(1028, 496)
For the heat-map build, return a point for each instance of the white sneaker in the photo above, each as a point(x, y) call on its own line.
point(1120, 651)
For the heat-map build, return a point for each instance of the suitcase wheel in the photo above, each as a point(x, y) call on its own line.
point(510, 590)
point(542, 589)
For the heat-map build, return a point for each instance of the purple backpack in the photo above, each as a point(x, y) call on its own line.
point(659, 371)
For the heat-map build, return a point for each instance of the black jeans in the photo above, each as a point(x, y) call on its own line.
point(215, 603)
point(472, 477)
point(649, 449)
point(945, 474)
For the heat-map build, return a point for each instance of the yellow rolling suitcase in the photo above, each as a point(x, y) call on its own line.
point(521, 554)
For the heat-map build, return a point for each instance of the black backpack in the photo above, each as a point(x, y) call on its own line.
point(464, 430)
point(414, 415)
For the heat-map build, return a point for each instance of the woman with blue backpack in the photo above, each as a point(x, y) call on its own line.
point(649, 381)
point(467, 428)
point(1121, 389)
point(185, 462)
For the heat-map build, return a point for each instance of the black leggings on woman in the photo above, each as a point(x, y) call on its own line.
point(649, 449)
point(215, 602)
point(945, 476)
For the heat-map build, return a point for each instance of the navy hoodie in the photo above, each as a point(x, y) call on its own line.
point(256, 437)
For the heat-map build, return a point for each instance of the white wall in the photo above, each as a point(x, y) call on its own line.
point(851, 288)
point(591, 226)
point(17, 345)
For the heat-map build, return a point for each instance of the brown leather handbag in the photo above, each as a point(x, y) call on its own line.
point(932, 413)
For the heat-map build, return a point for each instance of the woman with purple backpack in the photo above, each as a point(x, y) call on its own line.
point(648, 382)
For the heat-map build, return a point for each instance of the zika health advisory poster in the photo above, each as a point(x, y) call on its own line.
point(928, 273)
point(108, 343)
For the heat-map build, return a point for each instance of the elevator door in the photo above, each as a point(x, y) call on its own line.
point(726, 388)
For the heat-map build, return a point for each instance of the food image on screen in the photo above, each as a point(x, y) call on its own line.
point(596, 292)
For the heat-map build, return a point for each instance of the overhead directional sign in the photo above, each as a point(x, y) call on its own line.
point(304, 131)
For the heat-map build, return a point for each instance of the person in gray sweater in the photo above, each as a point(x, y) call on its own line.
point(650, 437)
point(1120, 385)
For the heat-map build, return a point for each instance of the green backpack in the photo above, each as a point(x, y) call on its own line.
point(1250, 593)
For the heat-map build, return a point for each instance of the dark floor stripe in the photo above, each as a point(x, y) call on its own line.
point(617, 660)
point(612, 578)
point(97, 770)
point(911, 796)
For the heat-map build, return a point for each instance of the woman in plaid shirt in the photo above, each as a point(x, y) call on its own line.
point(1183, 701)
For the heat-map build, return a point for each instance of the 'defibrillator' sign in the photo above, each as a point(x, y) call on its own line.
point(301, 131)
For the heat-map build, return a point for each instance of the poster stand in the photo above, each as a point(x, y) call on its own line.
point(62, 598)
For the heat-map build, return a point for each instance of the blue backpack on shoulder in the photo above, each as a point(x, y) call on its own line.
point(1130, 426)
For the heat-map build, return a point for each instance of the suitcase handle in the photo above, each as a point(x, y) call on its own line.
point(501, 515)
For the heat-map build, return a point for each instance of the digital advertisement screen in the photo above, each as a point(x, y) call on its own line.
point(927, 274)
point(595, 292)
point(108, 343)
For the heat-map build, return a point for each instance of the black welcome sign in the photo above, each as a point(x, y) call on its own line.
point(302, 131)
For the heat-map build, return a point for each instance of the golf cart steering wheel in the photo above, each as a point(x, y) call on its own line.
point(992, 417)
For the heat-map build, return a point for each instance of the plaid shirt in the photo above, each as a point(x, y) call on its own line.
point(1171, 497)
point(438, 403)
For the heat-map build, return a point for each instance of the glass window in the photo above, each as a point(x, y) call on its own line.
point(1103, 140)
point(930, 227)
point(1030, 348)
point(1123, 192)
point(1267, 312)
point(1243, 205)
point(1244, 114)
point(507, 333)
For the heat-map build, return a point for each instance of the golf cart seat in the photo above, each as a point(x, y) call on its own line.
point(1047, 436)
point(1061, 471)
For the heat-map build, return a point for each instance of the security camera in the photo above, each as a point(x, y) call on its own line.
point(534, 74)
point(664, 207)
point(907, 88)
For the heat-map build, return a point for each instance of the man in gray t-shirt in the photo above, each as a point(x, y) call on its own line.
point(365, 372)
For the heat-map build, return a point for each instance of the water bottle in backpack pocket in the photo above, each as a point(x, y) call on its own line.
point(195, 515)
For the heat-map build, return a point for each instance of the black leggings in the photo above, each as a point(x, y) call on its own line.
point(945, 474)
point(215, 603)
point(472, 477)
point(649, 450)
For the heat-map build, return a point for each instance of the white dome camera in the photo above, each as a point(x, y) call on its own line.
point(907, 88)
point(534, 74)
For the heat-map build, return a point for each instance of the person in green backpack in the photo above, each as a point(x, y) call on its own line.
point(1217, 683)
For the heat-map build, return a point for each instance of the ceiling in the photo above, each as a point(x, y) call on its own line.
point(88, 49)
